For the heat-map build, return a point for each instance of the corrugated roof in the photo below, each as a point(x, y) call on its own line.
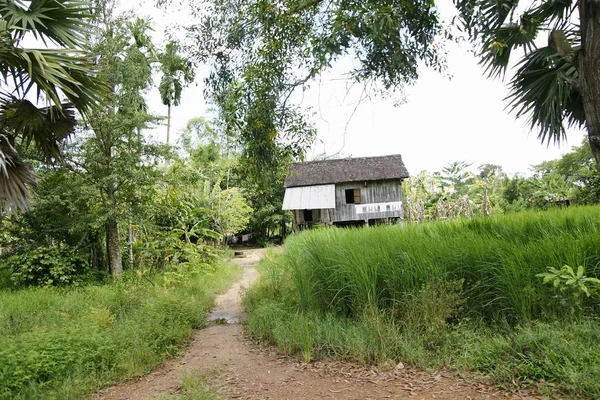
point(346, 170)
point(309, 197)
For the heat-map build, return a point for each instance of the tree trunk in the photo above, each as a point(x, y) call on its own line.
point(114, 248)
point(168, 122)
point(97, 261)
point(589, 72)
point(131, 238)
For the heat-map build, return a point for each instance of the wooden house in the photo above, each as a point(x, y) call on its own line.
point(351, 191)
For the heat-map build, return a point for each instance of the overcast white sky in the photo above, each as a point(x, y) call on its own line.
point(443, 119)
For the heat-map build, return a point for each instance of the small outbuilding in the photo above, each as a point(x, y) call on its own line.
point(351, 191)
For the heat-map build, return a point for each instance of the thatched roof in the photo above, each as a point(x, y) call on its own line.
point(346, 170)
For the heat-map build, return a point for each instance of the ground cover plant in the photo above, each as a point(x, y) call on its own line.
point(472, 294)
point(63, 343)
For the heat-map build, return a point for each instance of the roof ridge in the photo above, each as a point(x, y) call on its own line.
point(346, 159)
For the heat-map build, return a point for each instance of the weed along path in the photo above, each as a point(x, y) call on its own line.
point(239, 369)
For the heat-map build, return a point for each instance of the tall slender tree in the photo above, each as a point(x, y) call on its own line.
point(114, 147)
point(177, 71)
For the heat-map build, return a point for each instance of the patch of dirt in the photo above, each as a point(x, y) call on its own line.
point(245, 370)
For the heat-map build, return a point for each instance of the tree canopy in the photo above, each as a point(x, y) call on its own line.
point(263, 51)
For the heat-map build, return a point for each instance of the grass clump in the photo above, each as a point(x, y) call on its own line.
point(63, 343)
point(459, 294)
point(195, 387)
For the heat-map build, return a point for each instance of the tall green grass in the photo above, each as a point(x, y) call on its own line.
point(456, 294)
point(347, 271)
point(64, 343)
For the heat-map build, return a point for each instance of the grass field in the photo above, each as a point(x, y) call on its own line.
point(65, 343)
point(462, 295)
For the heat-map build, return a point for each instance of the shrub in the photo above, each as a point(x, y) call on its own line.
point(47, 266)
point(570, 287)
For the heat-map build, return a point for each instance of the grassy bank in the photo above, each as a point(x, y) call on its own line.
point(64, 343)
point(460, 294)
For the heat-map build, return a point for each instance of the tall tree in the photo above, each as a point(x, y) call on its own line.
point(114, 149)
point(176, 72)
point(60, 76)
point(262, 51)
point(556, 85)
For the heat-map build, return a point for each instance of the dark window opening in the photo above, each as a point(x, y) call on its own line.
point(308, 215)
point(352, 196)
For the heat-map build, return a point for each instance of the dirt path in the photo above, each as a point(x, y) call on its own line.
point(241, 370)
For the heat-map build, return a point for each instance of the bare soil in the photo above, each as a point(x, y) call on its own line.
point(241, 369)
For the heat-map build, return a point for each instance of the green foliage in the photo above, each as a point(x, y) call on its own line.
point(230, 211)
point(47, 266)
point(59, 343)
point(579, 168)
point(263, 52)
point(570, 285)
point(545, 84)
point(264, 191)
point(560, 359)
point(370, 338)
point(456, 192)
point(456, 177)
point(176, 73)
point(175, 69)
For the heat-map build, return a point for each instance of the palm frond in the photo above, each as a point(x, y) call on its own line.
point(165, 88)
point(63, 22)
point(500, 29)
point(176, 71)
point(544, 88)
point(42, 127)
point(15, 176)
point(54, 73)
point(62, 76)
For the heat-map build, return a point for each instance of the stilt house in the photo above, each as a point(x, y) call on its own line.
point(351, 191)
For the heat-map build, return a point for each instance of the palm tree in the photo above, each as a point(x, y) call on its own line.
point(557, 85)
point(59, 76)
point(176, 71)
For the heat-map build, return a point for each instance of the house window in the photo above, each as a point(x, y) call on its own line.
point(352, 196)
point(308, 215)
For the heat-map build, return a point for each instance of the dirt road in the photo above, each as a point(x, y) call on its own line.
point(242, 370)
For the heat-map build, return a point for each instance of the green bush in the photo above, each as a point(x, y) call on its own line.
point(47, 266)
